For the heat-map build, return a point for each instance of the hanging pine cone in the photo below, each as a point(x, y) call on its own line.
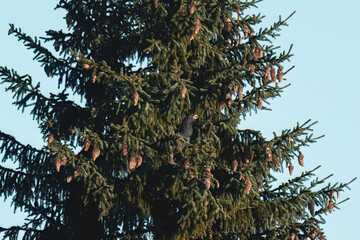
point(207, 170)
point(331, 206)
point(95, 153)
point(124, 148)
point(312, 208)
point(260, 103)
point(69, 178)
point(291, 169)
point(192, 9)
point(183, 92)
point(280, 74)
point(207, 182)
point(85, 66)
point(301, 159)
point(236, 88)
point(246, 32)
point(196, 29)
point(57, 162)
point(240, 92)
point(292, 235)
point(234, 165)
point(77, 171)
point(50, 138)
point(228, 24)
point(132, 164)
point(251, 68)
point(338, 193)
point(289, 139)
point(332, 194)
point(267, 150)
point(247, 186)
point(171, 159)
point(86, 145)
point(93, 77)
point(273, 74)
point(186, 164)
point(136, 98)
point(229, 101)
point(139, 161)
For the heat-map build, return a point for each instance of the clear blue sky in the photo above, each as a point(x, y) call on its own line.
point(324, 87)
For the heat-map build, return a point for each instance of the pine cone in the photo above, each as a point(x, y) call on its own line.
point(50, 138)
point(228, 24)
point(301, 159)
point(273, 74)
point(196, 29)
point(293, 235)
point(124, 148)
point(312, 208)
point(331, 206)
point(86, 145)
point(139, 161)
point(171, 159)
point(95, 153)
point(132, 164)
point(251, 68)
point(186, 164)
point(247, 186)
point(267, 150)
point(85, 66)
point(77, 171)
point(136, 98)
point(291, 169)
point(332, 194)
point(207, 182)
point(240, 92)
point(260, 103)
point(69, 178)
point(93, 77)
point(192, 9)
point(229, 101)
point(183, 92)
point(234, 165)
point(338, 194)
point(57, 162)
point(246, 32)
point(280, 74)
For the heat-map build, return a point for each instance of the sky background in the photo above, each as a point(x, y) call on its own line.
point(324, 87)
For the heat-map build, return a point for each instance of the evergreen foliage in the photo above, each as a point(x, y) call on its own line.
point(139, 174)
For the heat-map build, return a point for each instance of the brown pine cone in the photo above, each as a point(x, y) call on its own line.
point(183, 92)
point(132, 164)
point(247, 186)
point(124, 148)
point(301, 159)
point(291, 169)
point(228, 24)
point(136, 98)
point(139, 161)
point(280, 74)
point(95, 153)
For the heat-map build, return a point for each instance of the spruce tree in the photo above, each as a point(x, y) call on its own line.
point(156, 149)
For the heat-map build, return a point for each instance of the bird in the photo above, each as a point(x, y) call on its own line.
point(186, 131)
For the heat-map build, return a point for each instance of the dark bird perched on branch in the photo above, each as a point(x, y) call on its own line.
point(186, 131)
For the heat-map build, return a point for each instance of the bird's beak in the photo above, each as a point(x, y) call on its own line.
point(196, 117)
